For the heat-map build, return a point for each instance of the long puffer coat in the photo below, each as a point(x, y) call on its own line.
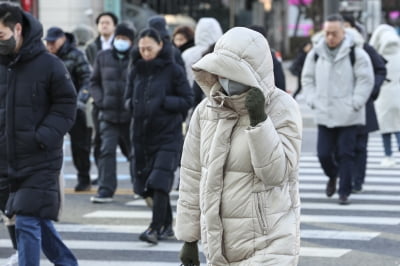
point(37, 108)
point(386, 41)
point(239, 184)
point(158, 96)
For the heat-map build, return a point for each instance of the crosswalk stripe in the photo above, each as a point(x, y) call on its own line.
point(339, 235)
point(323, 252)
point(120, 214)
point(349, 219)
point(351, 207)
point(370, 172)
point(362, 196)
point(137, 229)
point(304, 218)
point(305, 205)
point(110, 263)
point(168, 246)
point(394, 180)
point(365, 187)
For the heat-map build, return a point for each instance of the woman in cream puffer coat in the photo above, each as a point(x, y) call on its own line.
point(239, 184)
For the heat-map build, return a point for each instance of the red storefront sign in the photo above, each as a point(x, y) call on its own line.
point(26, 5)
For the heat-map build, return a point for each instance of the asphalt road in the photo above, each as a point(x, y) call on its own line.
point(367, 232)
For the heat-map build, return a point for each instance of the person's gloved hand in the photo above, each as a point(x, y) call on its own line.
point(83, 97)
point(255, 104)
point(189, 254)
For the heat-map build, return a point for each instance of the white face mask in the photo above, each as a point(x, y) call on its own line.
point(122, 45)
point(232, 87)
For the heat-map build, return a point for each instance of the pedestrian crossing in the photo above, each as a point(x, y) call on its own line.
point(108, 234)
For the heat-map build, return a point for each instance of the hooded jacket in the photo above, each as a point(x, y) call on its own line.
point(386, 41)
point(239, 184)
point(336, 90)
point(160, 25)
point(207, 32)
point(158, 95)
point(37, 108)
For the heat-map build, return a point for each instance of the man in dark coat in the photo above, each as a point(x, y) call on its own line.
point(62, 45)
point(378, 64)
point(37, 108)
point(107, 88)
point(106, 23)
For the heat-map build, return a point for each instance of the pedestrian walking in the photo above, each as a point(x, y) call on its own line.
point(207, 32)
point(279, 75)
point(337, 90)
point(297, 65)
point(10, 225)
point(160, 24)
point(62, 44)
point(37, 107)
point(239, 191)
point(106, 23)
point(183, 38)
point(387, 43)
point(158, 95)
point(107, 88)
point(371, 122)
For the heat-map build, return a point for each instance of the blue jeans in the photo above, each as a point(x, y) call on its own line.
point(33, 233)
point(387, 144)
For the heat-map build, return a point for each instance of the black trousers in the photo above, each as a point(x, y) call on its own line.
point(360, 160)
point(336, 148)
point(97, 139)
point(80, 136)
point(162, 211)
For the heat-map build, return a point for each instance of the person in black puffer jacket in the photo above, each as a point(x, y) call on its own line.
point(158, 95)
point(37, 108)
point(107, 88)
point(62, 44)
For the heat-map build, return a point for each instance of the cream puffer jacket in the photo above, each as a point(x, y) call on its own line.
point(239, 184)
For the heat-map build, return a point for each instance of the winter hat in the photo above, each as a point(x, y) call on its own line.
point(159, 24)
point(53, 34)
point(124, 30)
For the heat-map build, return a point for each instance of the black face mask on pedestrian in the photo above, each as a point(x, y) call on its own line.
point(7, 46)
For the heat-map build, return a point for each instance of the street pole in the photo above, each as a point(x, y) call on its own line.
point(330, 7)
point(232, 12)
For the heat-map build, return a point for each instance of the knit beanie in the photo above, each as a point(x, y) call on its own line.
point(124, 30)
point(159, 24)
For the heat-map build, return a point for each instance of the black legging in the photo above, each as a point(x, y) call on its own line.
point(162, 211)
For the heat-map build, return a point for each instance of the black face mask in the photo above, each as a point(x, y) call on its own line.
point(7, 46)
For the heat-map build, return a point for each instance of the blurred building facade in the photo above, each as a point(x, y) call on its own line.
point(285, 19)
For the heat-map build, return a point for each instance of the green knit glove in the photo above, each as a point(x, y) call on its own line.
point(255, 104)
point(189, 254)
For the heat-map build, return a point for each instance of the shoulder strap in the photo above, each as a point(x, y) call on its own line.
point(316, 55)
point(352, 55)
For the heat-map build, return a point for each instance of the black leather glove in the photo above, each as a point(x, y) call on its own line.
point(189, 254)
point(255, 104)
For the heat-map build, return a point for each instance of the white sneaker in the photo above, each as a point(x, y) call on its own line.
point(13, 260)
point(388, 161)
